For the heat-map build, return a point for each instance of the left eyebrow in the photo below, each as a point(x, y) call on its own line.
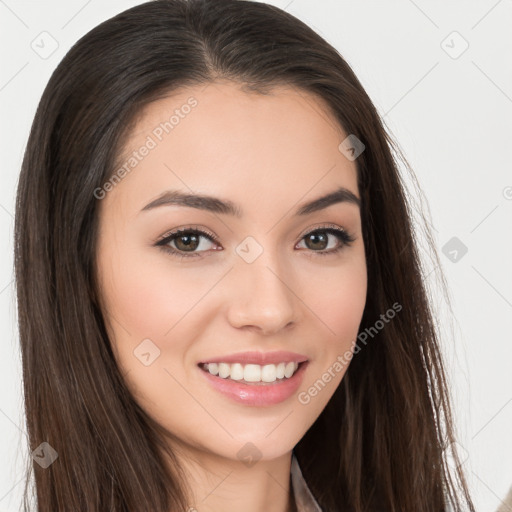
point(221, 206)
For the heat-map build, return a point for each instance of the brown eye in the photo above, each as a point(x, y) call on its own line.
point(318, 240)
point(186, 241)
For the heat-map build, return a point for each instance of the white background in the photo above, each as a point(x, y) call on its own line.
point(453, 120)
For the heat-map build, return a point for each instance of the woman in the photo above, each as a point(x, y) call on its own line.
point(185, 159)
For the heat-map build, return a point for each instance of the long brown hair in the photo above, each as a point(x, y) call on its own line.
point(379, 443)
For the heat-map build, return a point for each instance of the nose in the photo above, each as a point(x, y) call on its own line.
point(263, 296)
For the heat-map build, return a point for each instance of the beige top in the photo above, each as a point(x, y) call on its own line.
point(303, 498)
point(506, 504)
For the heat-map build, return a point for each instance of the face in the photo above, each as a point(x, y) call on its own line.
point(256, 287)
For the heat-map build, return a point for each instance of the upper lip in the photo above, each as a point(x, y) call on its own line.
point(260, 358)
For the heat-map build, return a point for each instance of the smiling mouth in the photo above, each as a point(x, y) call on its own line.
point(253, 374)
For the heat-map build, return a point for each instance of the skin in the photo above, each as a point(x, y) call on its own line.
point(268, 154)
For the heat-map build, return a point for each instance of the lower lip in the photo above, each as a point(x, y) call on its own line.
point(259, 393)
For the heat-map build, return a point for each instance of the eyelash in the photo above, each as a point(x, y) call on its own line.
point(343, 236)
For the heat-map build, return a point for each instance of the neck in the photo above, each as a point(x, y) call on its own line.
point(218, 483)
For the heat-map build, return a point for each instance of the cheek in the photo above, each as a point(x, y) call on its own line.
point(147, 297)
point(343, 308)
point(152, 298)
point(337, 300)
point(145, 300)
point(338, 306)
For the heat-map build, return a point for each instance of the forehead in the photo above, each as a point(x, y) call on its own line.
point(219, 138)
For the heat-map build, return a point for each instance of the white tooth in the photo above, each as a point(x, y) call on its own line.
point(224, 370)
point(268, 373)
point(289, 369)
point(252, 372)
point(237, 371)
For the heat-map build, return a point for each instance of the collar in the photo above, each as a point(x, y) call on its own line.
point(303, 497)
